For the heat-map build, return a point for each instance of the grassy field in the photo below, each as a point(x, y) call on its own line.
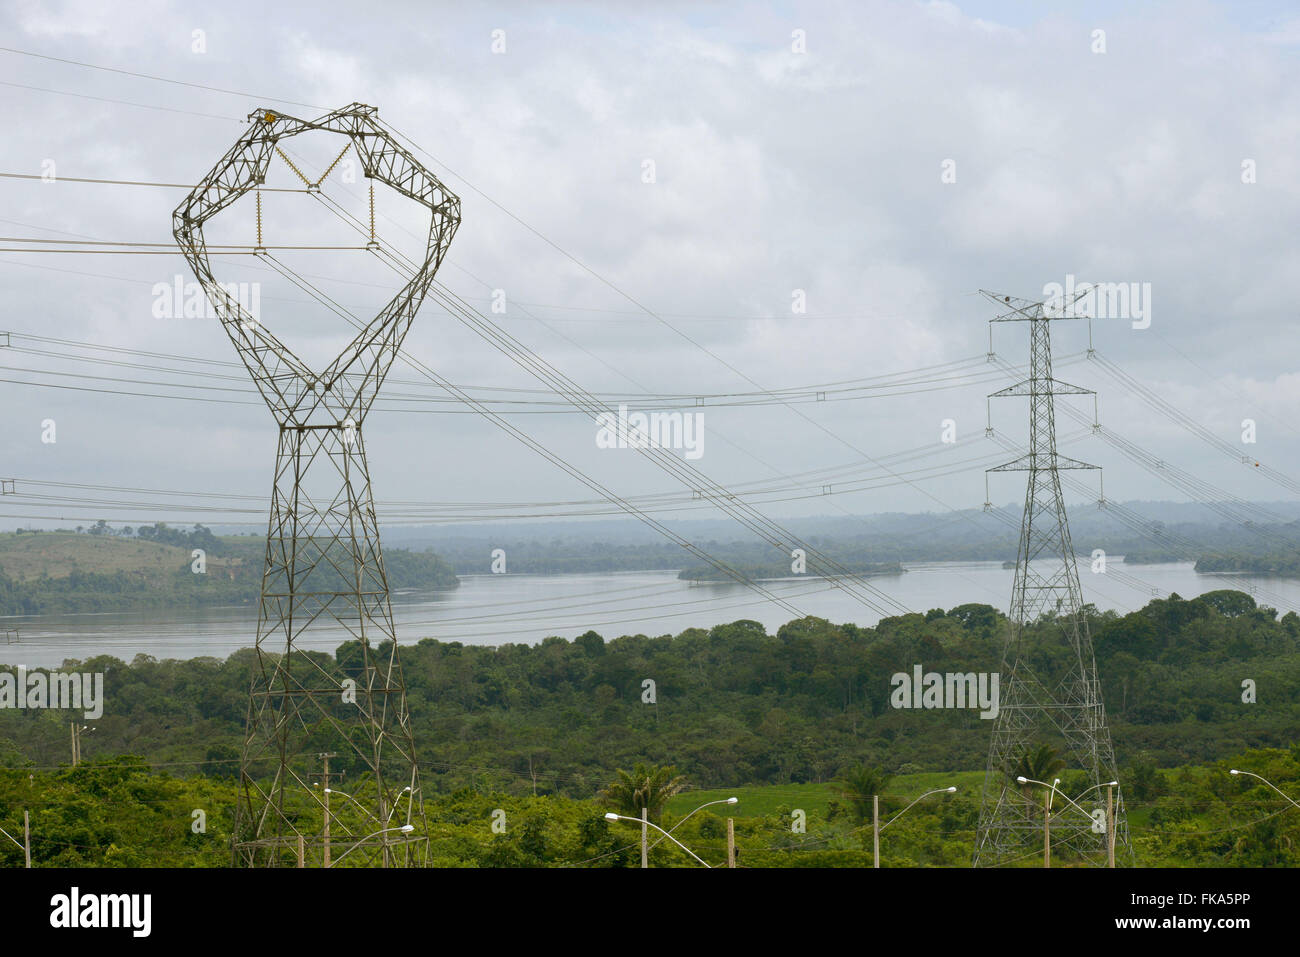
point(28, 557)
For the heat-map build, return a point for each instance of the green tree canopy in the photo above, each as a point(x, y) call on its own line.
point(858, 785)
point(646, 786)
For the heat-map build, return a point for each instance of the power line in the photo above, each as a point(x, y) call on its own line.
point(556, 247)
point(693, 478)
point(160, 79)
point(131, 182)
point(105, 99)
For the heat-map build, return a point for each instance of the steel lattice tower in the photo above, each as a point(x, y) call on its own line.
point(323, 564)
point(1063, 710)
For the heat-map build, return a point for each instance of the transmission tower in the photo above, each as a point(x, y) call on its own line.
point(323, 563)
point(1060, 706)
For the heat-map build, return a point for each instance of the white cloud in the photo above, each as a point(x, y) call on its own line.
point(775, 171)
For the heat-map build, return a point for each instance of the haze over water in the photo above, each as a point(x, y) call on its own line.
point(524, 609)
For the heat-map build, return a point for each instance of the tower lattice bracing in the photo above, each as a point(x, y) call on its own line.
point(324, 567)
point(1050, 692)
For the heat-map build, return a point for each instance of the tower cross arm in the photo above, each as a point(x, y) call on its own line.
point(1024, 310)
point(1041, 462)
point(350, 384)
point(1042, 387)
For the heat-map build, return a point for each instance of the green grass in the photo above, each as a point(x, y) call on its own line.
point(28, 557)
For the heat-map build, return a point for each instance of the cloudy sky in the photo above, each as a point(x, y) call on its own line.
point(654, 191)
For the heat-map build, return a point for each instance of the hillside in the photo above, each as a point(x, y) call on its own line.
point(49, 572)
point(27, 557)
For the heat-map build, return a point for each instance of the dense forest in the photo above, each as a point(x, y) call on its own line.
point(734, 704)
point(544, 728)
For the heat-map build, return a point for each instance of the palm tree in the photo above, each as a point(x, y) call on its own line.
point(858, 785)
point(1038, 764)
point(646, 786)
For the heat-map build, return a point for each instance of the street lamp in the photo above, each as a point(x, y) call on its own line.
point(364, 809)
point(1266, 781)
point(730, 800)
point(611, 816)
point(1055, 790)
point(1047, 816)
point(1047, 807)
point(76, 741)
point(1103, 784)
point(367, 810)
point(1110, 817)
point(405, 790)
point(877, 827)
point(658, 841)
point(405, 829)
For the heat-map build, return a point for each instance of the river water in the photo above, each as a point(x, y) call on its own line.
point(496, 609)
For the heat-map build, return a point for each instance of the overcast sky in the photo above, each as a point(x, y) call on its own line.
point(883, 160)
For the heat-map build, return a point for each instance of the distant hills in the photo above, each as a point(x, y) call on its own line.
point(66, 571)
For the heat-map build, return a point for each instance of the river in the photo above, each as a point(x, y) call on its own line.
point(496, 609)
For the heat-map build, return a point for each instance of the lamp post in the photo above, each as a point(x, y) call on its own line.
point(367, 810)
point(1269, 783)
point(646, 822)
point(410, 798)
point(1110, 822)
point(1047, 812)
point(26, 848)
point(730, 800)
point(1047, 823)
point(1110, 816)
point(877, 827)
point(404, 829)
point(1290, 800)
point(76, 741)
point(1047, 808)
point(363, 808)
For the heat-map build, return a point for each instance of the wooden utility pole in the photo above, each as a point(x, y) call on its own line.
point(325, 786)
point(875, 829)
point(1110, 826)
point(302, 852)
point(1047, 829)
point(77, 729)
point(645, 833)
point(731, 842)
point(27, 839)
